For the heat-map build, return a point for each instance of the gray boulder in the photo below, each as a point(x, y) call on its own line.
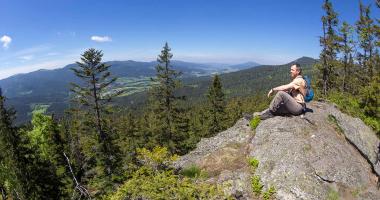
point(326, 154)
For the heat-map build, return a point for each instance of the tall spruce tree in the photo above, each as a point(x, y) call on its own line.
point(347, 49)
point(330, 46)
point(366, 32)
point(94, 95)
point(165, 102)
point(217, 105)
point(96, 79)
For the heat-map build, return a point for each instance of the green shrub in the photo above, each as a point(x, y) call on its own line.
point(254, 163)
point(373, 123)
point(257, 187)
point(332, 195)
point(192, 172)
point(255, 122)
point(153, 182)
point(269, 194)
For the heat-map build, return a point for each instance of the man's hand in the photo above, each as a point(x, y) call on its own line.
point(270, 92)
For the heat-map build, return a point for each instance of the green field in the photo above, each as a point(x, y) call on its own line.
point(38, 108)
point(131, 85)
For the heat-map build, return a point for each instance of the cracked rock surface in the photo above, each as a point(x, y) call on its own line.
point(326, 153)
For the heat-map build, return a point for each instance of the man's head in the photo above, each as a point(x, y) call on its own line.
point(295, 70)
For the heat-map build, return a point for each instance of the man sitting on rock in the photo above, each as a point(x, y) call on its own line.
point(290, 98)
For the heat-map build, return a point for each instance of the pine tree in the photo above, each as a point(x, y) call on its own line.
point(165, 102)
point(366, 32)
point(181, 130)
point(217, 106)
point(10, 174)
point(347, 48)
point(129, 136)
point(94, 95)
point(96, 79)
point(330, 46)
point(234, 109)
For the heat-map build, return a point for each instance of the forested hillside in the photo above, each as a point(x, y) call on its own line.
point(50, 89)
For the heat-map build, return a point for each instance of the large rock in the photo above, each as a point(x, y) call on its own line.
point(224, 158)
point(323, 155)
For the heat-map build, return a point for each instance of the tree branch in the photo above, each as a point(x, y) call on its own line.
point(81, 189)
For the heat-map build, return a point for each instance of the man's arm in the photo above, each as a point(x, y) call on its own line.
point(282, 88)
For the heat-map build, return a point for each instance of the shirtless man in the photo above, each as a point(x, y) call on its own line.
point(290, 98)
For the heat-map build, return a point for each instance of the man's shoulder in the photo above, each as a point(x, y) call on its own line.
point(299, 77)
point(299, 80)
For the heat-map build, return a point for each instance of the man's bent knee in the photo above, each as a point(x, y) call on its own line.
point(276, 101)
point(281, 93)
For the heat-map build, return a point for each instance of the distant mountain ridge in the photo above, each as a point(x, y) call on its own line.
point(33, 82)
point(50, 88)
point(250, 81)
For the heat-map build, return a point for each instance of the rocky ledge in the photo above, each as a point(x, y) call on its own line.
point(323, 154)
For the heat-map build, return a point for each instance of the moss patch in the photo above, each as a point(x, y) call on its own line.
point(332, 194)
point(255, 122)
point(332, 119)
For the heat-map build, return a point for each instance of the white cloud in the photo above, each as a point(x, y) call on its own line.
point(6, 40)
point(27, 57)
point(101, 38)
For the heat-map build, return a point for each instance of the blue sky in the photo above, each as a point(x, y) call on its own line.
point(52, 33)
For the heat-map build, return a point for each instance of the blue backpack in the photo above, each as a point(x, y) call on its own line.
point(309, 91)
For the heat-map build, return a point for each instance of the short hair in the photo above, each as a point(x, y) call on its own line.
point(298, 66)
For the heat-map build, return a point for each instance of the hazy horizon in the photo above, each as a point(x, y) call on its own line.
point(5, 75)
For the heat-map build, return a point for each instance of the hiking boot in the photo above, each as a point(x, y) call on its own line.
point(266, 114)
point(256, 114)
point(247, 116)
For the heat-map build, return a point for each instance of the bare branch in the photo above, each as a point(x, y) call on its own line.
point(81, 189)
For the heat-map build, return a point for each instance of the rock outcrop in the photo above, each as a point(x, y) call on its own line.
point(324, 154)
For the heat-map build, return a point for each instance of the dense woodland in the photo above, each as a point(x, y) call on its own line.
point(101, 149)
